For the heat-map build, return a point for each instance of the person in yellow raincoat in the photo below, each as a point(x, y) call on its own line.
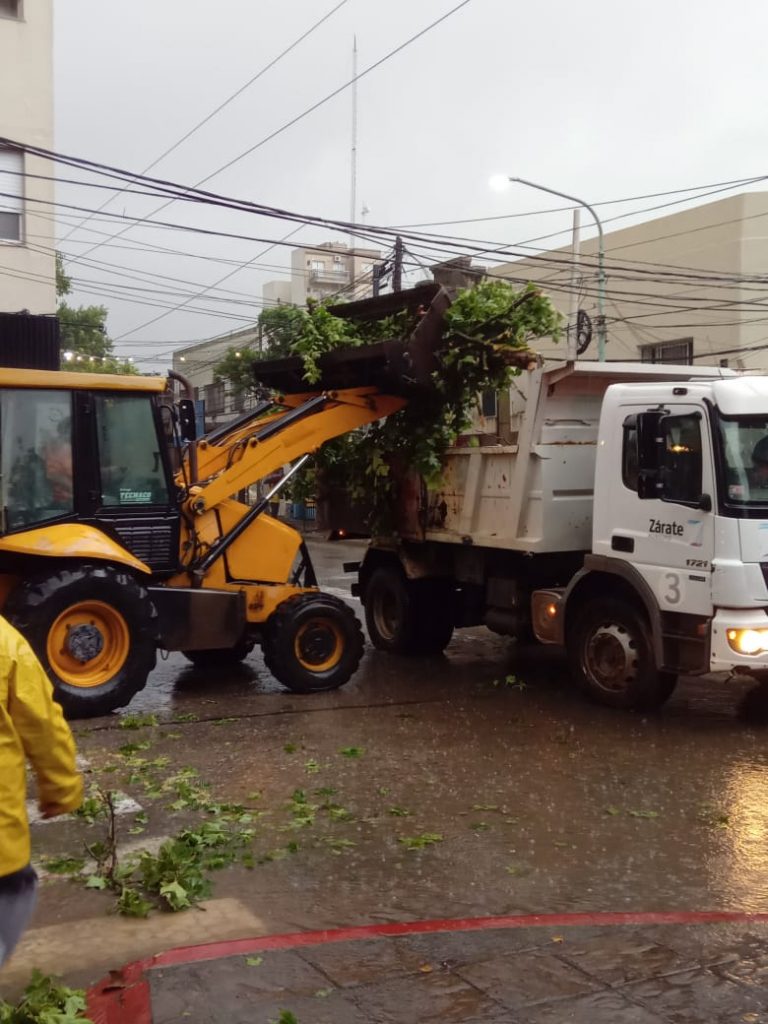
point(32, 727)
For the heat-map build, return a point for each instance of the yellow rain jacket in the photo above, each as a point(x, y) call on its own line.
point(31, 726)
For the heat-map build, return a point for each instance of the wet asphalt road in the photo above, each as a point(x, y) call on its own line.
point(541, 802)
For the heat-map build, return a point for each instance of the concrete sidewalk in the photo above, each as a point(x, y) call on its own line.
point(582, 968)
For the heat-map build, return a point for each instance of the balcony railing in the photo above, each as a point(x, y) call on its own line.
point(339, 277)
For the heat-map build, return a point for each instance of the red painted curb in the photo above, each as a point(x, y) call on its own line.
point(124, 997)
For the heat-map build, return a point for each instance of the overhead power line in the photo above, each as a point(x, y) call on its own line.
point(309, 110)
point(734, 183)
point(233, 96)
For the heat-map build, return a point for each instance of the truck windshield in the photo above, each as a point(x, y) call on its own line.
point(744, 446)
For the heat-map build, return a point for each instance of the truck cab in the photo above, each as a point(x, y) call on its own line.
point(681, 509)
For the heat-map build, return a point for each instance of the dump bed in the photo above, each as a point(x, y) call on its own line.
point(535, 494)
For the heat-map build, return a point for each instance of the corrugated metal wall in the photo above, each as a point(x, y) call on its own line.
point(29, 342)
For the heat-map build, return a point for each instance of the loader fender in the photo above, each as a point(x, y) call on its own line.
point(71, 541)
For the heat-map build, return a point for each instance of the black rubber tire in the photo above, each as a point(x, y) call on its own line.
point(282, 635)
point(610, 650)
point(222, 657)
point(407, 616)
point(36, 604)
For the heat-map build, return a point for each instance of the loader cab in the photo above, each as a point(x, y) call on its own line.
point(89, 456)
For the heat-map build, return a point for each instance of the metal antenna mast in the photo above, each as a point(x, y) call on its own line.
point(353, 172)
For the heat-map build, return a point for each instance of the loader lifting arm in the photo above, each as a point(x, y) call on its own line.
point(233, 461)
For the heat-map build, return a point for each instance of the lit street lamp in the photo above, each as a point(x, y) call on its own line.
point(500, 181)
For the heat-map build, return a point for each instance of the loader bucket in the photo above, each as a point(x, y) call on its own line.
point(399, 366)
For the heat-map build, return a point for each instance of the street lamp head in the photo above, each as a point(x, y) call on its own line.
point(499, 182)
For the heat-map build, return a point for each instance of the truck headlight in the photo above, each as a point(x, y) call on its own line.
point(748, 641)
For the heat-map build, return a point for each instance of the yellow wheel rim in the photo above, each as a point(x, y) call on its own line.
point(319, 644)
point(88, 644)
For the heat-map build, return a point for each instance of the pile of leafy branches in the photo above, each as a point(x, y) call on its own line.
point(176, 876)
point(484, 329)
point(289, 331)
point(45, 1001)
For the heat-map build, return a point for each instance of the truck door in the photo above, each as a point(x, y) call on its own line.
point(662, 519)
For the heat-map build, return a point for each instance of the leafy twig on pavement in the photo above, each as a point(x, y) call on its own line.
point(45, 1001)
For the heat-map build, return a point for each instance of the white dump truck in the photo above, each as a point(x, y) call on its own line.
point(627, 522)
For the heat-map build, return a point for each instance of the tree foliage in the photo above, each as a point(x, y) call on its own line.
point(286, 331)
point(85, 345)
point(485, 330)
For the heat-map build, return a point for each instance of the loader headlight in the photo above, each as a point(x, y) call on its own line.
point(748, 641)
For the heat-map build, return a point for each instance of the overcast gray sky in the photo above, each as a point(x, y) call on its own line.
point(599, 99)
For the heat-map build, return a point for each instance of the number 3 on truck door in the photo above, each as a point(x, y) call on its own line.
point(671, 588)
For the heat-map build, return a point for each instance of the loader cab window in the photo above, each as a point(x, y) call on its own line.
point(35, 456)
point(130, 459)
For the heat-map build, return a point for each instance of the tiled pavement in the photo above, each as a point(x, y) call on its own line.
point(692, 973)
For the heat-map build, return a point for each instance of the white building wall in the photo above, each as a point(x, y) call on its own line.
point(27, 268)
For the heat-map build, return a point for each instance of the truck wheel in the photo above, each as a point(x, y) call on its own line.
point(94, 630)
point(407, 616)
point(222, 657)
point(610, 648)
point(312, 642)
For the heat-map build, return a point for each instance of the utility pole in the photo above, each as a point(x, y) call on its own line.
point(573, 316)
point(397, 271)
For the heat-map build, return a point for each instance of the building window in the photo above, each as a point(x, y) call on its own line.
point(318, 266)
point(12, 194)
point(10, 8)
point(489, 405)
point(679, 351)
point(215, 398)
point(339, 268)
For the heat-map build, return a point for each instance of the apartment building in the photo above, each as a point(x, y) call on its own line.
point(324, 271)
point(27, 261)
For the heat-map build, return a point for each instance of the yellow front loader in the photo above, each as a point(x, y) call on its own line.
point(120, 533)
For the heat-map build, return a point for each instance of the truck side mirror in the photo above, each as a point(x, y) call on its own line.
point(647, 445)
point(187, 426)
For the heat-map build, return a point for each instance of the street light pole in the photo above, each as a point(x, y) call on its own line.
point(600, 259)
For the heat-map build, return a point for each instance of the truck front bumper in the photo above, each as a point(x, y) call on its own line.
point(739, 640)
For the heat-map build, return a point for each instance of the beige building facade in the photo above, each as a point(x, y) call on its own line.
point(27, 260)
point(689, 287)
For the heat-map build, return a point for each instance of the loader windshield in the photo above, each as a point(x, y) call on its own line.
point(744, 451)
point(36, 481)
